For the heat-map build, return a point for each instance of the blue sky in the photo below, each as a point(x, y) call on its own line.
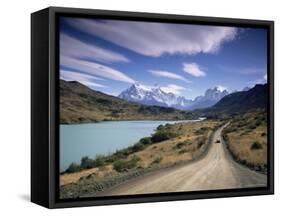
point(111, 55)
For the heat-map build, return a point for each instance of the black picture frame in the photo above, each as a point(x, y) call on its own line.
point(45, 105)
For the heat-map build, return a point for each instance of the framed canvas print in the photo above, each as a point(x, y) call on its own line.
point(139, 107)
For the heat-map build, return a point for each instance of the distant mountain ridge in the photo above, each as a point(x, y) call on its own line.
point(254, 98)
point(211, 97)
point(156, 96)
point(80, 104)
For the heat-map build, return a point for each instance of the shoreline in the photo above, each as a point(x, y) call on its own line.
point(122, 120)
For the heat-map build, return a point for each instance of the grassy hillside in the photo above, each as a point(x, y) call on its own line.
point(80, 104)
point(171, 144)
point(246, 138)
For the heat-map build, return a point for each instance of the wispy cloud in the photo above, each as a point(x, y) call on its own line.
point(172, 88)
point(72, 47)
point(167, 74)
point(243, 70)
point(250, 71)
point(95, 69)
point(85, 79)
point(80, 57)
point(193, 69)
point(156, 39)
point(261, 80)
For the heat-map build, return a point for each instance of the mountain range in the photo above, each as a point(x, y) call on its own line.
point(80, 104)
point(156, 96)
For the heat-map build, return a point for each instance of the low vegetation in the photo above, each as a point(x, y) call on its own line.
point(73, 167)
point(123, 165)
point(246, 138)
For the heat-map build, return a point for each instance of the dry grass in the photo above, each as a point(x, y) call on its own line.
point(241, 145)
point(247, 139)
point(97, 172)
point(182, 148)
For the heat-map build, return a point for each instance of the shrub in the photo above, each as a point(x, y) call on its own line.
point(119, 154)
point(201, 130)
point(263, 134)
point(256, 145)
point(114, 157)
point(168, 125)
point(145, 140)
point(180, 145)
point(157, 160)
point(86, 163)
point(73, 167)
point(160, 127)
point(137, 147)
point(225, 137)
point(161, 136)
point(200, 141)
point(258, 123)
point(183, 151)
point(252, 126)
point(99, 161)
point(241, 124)
point(122, 154)
point(124, 165)
point(244, 133)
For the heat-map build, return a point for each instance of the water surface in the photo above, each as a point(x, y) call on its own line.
point(78, 140)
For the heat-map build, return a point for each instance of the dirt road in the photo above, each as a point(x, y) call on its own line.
point(216, 170)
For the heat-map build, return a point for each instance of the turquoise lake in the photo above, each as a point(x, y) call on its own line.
point(78, 140)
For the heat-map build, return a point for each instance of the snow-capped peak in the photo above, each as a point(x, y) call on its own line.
point(155, 95)
point(139, 86)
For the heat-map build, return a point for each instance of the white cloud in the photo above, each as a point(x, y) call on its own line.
point(73, 47)
point(95, 69)
point(265, 77)
point(172, 88)
point(193, 69)
point(221, 88)
point(80, 77)
point(167, 74)
point(156, 39)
